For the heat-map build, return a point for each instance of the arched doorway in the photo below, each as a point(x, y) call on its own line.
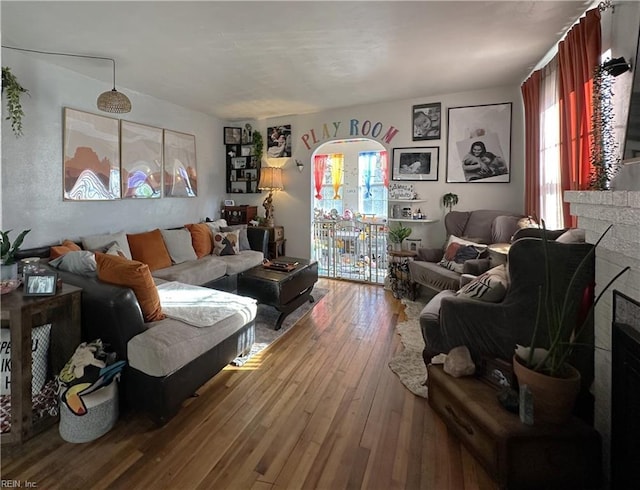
point(349, 222)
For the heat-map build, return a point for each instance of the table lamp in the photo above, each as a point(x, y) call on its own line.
point(270, 180)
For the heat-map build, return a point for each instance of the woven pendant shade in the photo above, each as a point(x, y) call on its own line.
point(114, 101)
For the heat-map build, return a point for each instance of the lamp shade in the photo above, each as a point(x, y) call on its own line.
point(114, 101)
point(270, 179)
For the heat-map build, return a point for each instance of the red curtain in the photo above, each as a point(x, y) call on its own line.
point(319, 166)
point(531, 97)
point(578, 56)
point(384, 163)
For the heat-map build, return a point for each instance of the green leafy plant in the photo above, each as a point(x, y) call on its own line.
point(449, 200)
point(8, 250)
point(399, 233)
point(603, 154)
point(13, 90)
point(258, 145)
point(564, 335)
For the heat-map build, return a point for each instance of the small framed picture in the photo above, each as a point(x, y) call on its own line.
point(229, 202)
point(415, 163)
point(232, 136)
point(427, 121)
point(246, 151)
point(239, 162)
point(40, 283)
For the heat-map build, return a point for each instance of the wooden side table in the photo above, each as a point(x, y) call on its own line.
point(23, 313)
point(401, 283)
point(516, 455)
point(277, 241)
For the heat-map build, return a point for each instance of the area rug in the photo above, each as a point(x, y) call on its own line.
point(408, 363)
point(266, 319)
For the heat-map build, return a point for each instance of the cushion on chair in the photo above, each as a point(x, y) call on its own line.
point(458, 251)
point(490, 286)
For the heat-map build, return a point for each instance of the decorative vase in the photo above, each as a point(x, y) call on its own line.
point(397, 247)
point(553, 397)
point(8, 272)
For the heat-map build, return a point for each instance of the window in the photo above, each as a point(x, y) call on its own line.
point(372, 192)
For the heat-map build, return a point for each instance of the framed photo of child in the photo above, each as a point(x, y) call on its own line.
point(426, 120)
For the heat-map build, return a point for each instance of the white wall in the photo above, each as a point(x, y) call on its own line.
point(32, 164)
point(294, 204)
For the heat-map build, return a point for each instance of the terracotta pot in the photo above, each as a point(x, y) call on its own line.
point(553, 398)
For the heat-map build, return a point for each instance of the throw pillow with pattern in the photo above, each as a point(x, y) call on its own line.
point(226, 243)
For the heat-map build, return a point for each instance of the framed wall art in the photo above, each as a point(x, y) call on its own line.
point(91, 157)
point(479, 143)
point(427, 119)
point(279, 141)
point(232, 136)
point(180, 172)
point(415, 163)
point(141, 154)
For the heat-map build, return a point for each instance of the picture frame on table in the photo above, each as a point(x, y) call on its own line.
point(427, 121)
point(479, 143)
point(232, 135)
point(229, 202)
point(415, 164)
point(40, 283)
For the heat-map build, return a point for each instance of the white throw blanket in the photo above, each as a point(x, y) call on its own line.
point(202, 307)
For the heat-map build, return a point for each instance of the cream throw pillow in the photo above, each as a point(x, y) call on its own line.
point(490, 286)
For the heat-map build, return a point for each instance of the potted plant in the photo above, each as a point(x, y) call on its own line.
point(13, 90)
point(449, 200)
point(398, 234)
point(553, 382)
point(8, 251)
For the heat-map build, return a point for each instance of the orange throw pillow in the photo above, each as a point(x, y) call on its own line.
point(149, 248)
point(201, 238)
point(71, 245)
point(66, 247)
point(120, 271)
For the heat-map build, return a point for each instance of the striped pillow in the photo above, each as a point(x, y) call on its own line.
point(490, 286)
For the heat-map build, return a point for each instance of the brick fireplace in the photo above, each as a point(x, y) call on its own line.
point(595, 211)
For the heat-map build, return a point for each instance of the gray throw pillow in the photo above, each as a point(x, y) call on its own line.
point(82, 262)
point(96, 242)
point(244, 240)
point(179, 245)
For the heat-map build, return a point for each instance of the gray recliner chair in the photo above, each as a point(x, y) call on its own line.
point(494, 329)
point(485, 226)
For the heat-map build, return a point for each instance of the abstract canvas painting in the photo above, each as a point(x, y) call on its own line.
point(141, 160)
point(91, 157)
point(180, 174)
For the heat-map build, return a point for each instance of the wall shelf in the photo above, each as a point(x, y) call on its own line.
point(407, 200)
point(410, 220)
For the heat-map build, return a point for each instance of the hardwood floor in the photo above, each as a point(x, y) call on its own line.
point(319, 408)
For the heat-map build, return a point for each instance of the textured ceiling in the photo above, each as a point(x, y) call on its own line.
point(252, 60)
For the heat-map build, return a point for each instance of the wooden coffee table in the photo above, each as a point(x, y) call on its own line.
point(285, 291)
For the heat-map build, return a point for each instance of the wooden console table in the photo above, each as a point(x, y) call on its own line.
point(22, 314)
point(518, 456)
point(277, 241)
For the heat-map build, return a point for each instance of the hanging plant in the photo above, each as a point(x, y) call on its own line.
point(449, 200)
point(257, 146)
point(604, 158)
point(14, 90)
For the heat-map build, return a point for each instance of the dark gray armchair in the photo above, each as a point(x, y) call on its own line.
point(493, 329)
point(486, 226)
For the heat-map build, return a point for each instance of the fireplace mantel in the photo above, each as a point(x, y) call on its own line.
point(596, 210)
